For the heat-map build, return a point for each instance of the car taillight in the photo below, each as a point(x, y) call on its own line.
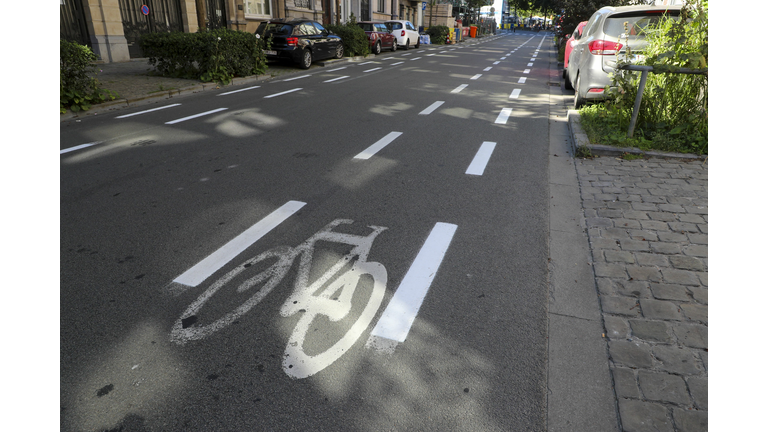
point(402, 33)
point(604, 47)
point(292, 41)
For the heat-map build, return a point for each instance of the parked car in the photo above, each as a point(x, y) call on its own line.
point(404, 32)
point(568, 48)
point(300, 40)
point(603, 41)
point(378, 35)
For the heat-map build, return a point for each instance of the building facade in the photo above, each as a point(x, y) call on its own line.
point(113, 28)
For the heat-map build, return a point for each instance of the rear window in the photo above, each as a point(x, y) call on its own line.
point(274, 28)
point(636, 22)
point(396, 25)
point(366, 27)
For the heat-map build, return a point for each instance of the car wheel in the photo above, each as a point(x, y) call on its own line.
point(306, 59)
point(418, 44)
point(377, 48)
point(567, 80)
point(339, 51)
point(578, 100)
point(394, 45)
point(407, 43)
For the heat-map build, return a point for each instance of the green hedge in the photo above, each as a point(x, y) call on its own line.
point(78, 88)
point(438, 34)
point(355, 40)
point(217, 55)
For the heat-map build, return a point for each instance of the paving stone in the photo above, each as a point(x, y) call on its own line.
point(700, 239)
point(640, 206)
point(632, 288)
point(676, 359)
point(690, 420)
point(696, 209)
point(687, 263)
point(633, 245)
point(639, 416)
point(703, 227)
point(625, 383)
point(695, 312)
point(680, 277)
point(619, 256)
point(654, 199)
point(671, 208)
point(627, 223)
point(620, 305)
point(605, 286)
point(700, 294)
point(704, 278)
point(662, 310)
point(649, 259)
point(609, 213)
point(698, 387)
point(610, 270)
point(654, 225)
point(683, 226)
point(680, 200)
point(606, 197)
point(663, 387)
point(662, 217)
point(665, 247)
point(601, 243)
point(668, 236)
point(615, 233)
point(600, 222)
point(616, 327)
point(622, 205)
point(655, 331)
point(692, 218)
point(663, 291)
point(639, 273)
point(704, 356)
point(691, 335)
point(642, 234)
point(633, 354)
point(591, 213)
point(696, 250)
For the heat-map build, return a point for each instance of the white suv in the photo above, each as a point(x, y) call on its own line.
point(404, 32)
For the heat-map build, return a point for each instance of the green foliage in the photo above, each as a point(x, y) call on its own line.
point(674, 108)
point(354, 38)
point(438, 34)
point(216, 55)
point(78, 88)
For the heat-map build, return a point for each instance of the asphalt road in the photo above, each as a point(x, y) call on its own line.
point(173, 319)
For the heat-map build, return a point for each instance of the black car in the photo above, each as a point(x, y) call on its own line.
point(300, 40)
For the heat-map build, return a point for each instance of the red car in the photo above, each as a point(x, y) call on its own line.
point(378, 35)
point(568, 47)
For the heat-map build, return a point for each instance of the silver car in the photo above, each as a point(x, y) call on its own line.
point(603, 41)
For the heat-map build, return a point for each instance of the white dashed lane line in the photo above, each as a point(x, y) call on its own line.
point(146, 111)
point(378, 145)
point(195, 116)
point(477, 167)
point(431, 108)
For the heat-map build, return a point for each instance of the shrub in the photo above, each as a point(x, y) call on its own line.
point(354, 38)
point(438, 34)
point(78, 89)
point(217, 55)
point(673, 112)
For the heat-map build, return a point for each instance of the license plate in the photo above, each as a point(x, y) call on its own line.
point(270, 52)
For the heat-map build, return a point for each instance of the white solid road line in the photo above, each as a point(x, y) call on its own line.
point(146, 111)
point(398, 317)
point(431, 108)
point(238, 91)
point(205, 268)
point(503, 116)
point(378, 145)
point(336, 79)
point(194, 116)
point(515, 93)
point(283, 93)
point(477, 167)
point(459, 88)
point(81, 146)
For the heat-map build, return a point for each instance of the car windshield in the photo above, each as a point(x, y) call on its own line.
point(636, 23)
point(274, 28)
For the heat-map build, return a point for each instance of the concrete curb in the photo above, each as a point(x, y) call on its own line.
point(580, 139)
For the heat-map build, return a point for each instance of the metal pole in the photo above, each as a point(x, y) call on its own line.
point(638, 99)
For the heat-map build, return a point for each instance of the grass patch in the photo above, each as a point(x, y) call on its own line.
point(608, 125)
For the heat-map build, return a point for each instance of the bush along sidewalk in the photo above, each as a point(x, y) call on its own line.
point(78, 88)
point(216, 55)
point(354, 38)
point(673, 115)
point(438, 34)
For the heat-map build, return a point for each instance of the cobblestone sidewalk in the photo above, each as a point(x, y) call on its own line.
point(647, 227)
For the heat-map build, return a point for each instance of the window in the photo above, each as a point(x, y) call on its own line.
point(380, 6)
point(257, 8)
point(304, 29)
point(409, 26)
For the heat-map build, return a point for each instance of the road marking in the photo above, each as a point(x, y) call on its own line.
point(378, 145)
point(496, 62)
point(415, 58)
point(337, 69)
point(431, 108)
point(503, 58)
point(398, 63)
point(365, 63)
point(205, 268)
point(515, 93)
point(530, 64)
point(488, 68)
point(295, 78)
point(282, 93)
point(441, 52)
point(371, 70)
point(476, 76)
point(336, 79)
point(533, 59)
point(398, 317)
point(459, 88)
point(503, 116)
point(521, 80)
point(477, 167)
point(527, 71)
point(81, 146)
point(238, 91)
point(146, 111)
point(407, 54)
point(194, 116)
point(429, 55)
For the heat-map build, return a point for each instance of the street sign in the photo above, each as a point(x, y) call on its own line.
point(145, 9)
point(423, 5)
